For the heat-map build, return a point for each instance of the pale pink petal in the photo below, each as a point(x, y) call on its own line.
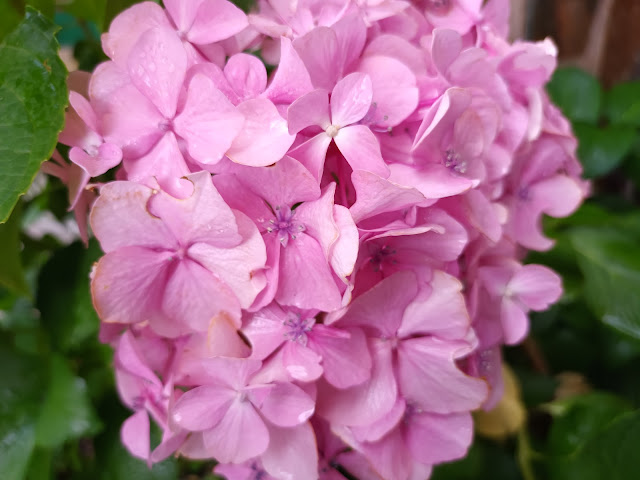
point(312, 154)
point(84, 110)
point(264, 138)
point(381, 308)
point(365, 403)
point(134, 434)
point(194, 296)
point(445, 47)
point(536, 286)
point(157, 66)
point(247, 74)
point(302, 363)
point(515, 322)
point(201, 217)
point(107, 157)
point(345, 249)
point(306, 281)
point(203, 407)
point(432, 181)
point(208, 122)
point(285, 404)
point(291, 79)
point(239, 267)
point(319, 50)
point(317, 218)
point(310, 109)
point(439, 311)
point(395, 94)
point(128, 283)
point(429, 377)
point(265, 331)
point(377, 430)
point(239, 436)
point(292, 453)
point(361, 149)
point(345, 355)
point(375, 195)
point(215, 20)
point(126, 28)
point(351, 99)
point(435, 439)
point(128, 359)
point(120, 218)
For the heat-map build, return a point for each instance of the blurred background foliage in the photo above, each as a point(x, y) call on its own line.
point(572, 403)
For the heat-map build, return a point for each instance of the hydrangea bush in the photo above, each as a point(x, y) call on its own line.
point(311, 266)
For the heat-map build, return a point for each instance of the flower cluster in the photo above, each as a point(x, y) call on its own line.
point(312, 271)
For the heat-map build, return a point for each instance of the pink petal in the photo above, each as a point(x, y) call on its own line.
point(345, 356)
point(120, 218)
point(351, 99)
point(365, 403)
point(265, 331)
point(164, 163)
point(292, 453)
point(126, 28)
point(108, 156)
point(191, 220)
point(317, 218)
point(439, 311)
point(128, 359)
point(291, 79)
point(285, 405)
point(377, 430)
point(433, 439)
point(375, 195)
point(302, 363)
point(157, 65)
point(239, 436)
point(247, 74)
point(128, 283)
point(361, 149)
point(194, 296)
point(432, 181)
point(515, 322)
point(381, 308)
point(345, 250)
point(214, 20)
point(239, 267)
point(536, 286)
point(208, 122)
point(312, 154)
point(306, 281)
point(319, 50)
point(203, 407)
point(395, 94)
point(429, 377)
point(83, 108)
point(310, 109)
point(445, 48)
point(264, 138)
point(134, 434)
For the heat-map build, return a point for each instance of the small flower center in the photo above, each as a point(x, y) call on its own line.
point(409, 411)
point(454, 162)
point(524, 194)
point(381, 255)
point(92, 151)
point(297, 328)
point(332, 130)
point(284, 225)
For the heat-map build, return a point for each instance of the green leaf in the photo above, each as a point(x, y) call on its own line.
point(20, 390)
point(64, 297)
point(610, 262)
point(601, 150)
point(11, 273)
point(622, 104)
point(577, 93)
point(612, 454)
point(67, 412)
point(33, 96)
point(579, 418)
